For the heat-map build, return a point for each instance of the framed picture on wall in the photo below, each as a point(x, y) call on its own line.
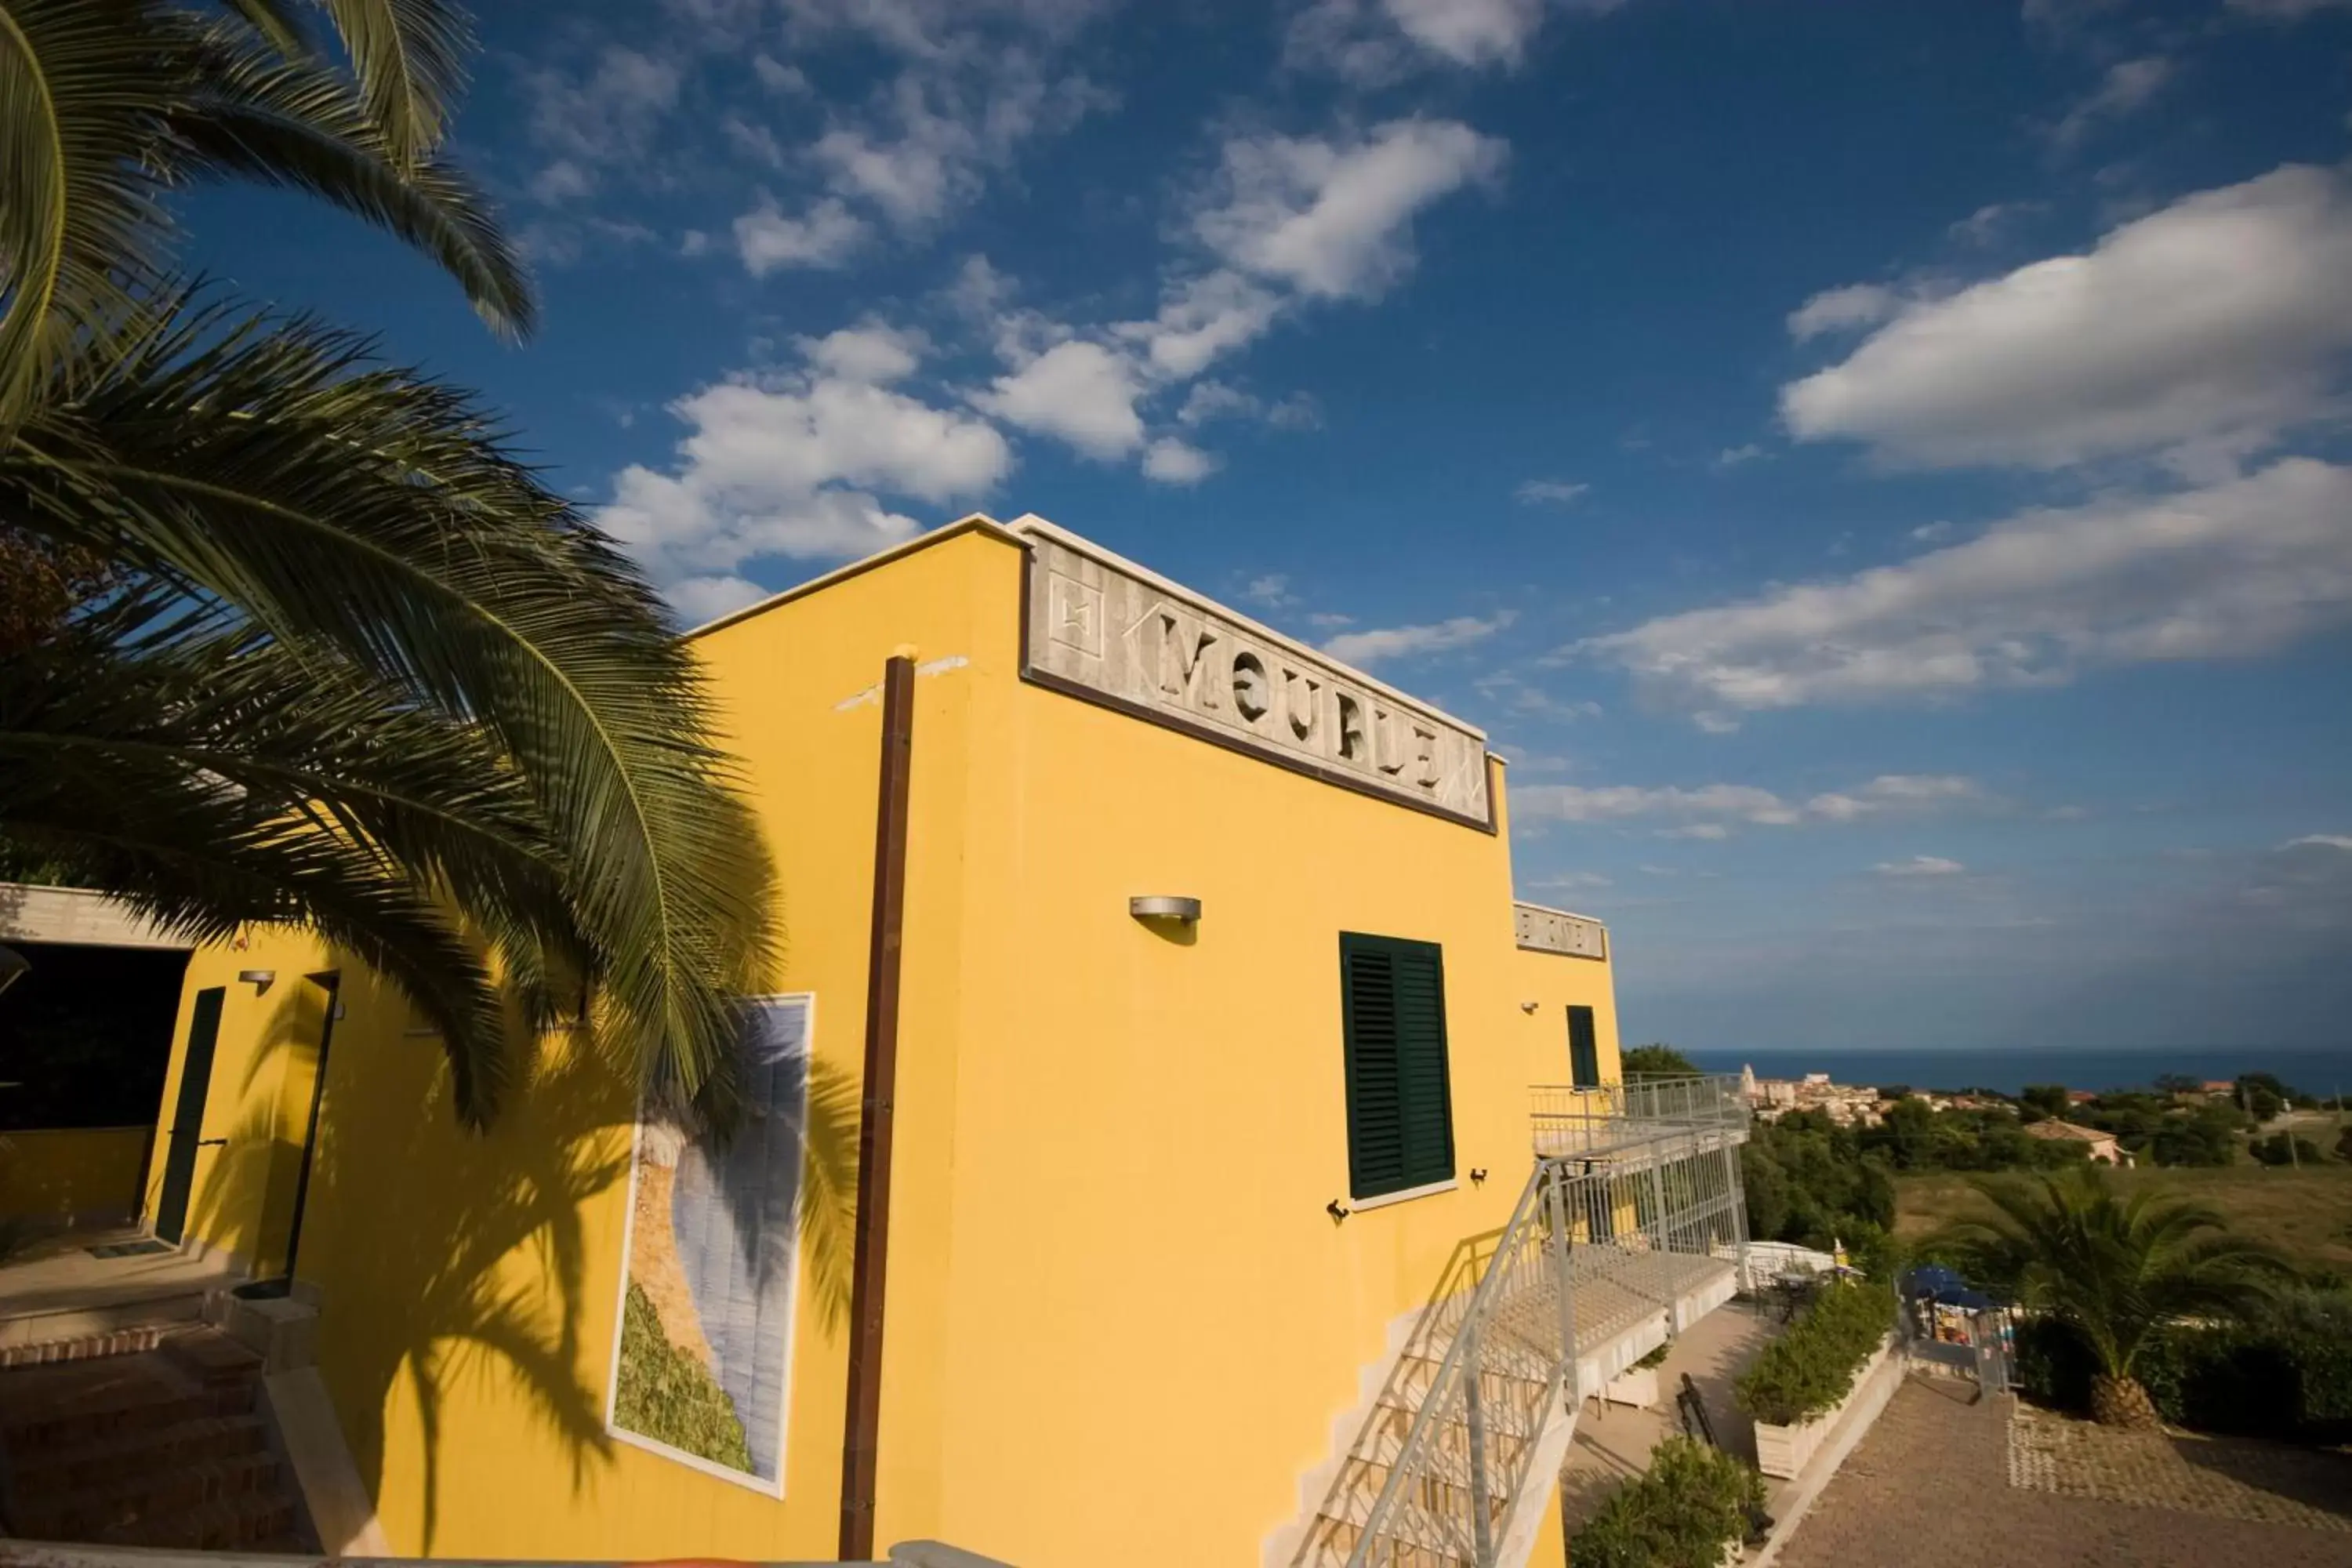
point(701, 1365)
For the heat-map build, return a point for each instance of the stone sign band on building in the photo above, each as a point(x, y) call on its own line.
point(699, 1365)
point(1542, 930)
point(1107, 630)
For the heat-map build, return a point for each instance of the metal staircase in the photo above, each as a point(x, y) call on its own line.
point(1631, 1216)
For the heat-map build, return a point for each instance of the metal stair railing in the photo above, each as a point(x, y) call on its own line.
point(1462, 1465)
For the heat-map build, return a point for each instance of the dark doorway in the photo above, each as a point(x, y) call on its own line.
point(86, 1035)
point(188, 1116)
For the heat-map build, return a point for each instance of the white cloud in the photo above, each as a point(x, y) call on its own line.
point(788, 464)
point(1713, 807)
point(1549, 492)
point(2210, 326)
point(1202, 318)
point(767, 240)
point(1934, 533)
point(1299, 411)
point(1333, 218)
point(1080, 392)
point(1567, 881)
point(1174, 462)
point(2128, 86)
point(2230, 570)
point(1843, 310)
point(1374, 42)
point(1986, 224)
point(1367, 648)
point(1210, 400)
point(1920, 866)
point(1893, 794)
point(875, 353)
point(609, 113)
point(1272, 590)
point(2286, 10)
point(562, 181)
point(1733, 457)
point(2321, 841)
point(700, 599)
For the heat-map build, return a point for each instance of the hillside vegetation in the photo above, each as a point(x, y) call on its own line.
point(2306, 1215)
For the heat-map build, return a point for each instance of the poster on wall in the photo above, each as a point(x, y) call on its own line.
point(700, 1364)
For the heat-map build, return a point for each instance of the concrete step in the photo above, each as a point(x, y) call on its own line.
point(148, 1399)
point(213, 1359)
point(152, 1503)
point(252, 1521)
point(41, 1472)
point(85, 1347)
point(47, 1325)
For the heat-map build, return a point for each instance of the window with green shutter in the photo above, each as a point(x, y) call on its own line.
point(1399, 1104)
point(1583, 1049)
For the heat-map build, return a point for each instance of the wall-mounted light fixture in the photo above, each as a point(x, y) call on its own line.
point(260, 979)
point(1529, 1007)
point(1164, 906)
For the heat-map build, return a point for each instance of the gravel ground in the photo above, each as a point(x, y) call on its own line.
point(1930, 1486)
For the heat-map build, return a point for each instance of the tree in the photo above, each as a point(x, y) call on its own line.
point(2279, 1149)
point(306, 641)
point(2206, 1136)
point(2038, 1100)
point(1655, 1060)
point(2171, 1083)
point(2113, 1270)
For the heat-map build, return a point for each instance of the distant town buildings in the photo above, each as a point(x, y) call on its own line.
point(1848, 1105)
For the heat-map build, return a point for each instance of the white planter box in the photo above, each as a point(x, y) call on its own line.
point(1782, 1451)
point(1637, 1386)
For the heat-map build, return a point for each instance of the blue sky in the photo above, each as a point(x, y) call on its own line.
point(1879, 473)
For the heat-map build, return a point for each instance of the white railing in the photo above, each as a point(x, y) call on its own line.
point(1607, 1119)
point(1601, 1240)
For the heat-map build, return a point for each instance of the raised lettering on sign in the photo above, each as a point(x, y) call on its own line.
point(1100, 626)
point(1302, 700)
point(1183, 661)
point(1249, 686)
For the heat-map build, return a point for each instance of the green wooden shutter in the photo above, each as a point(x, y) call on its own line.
point(1583, 1049)
point(1400, 1103)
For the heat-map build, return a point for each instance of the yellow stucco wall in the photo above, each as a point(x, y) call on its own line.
point(1120, 1320)
point(64, 1176)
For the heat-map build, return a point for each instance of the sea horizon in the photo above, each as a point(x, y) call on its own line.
point(2007, 1070)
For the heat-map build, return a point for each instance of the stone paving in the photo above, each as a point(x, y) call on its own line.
point(1930, 1486)
point(2267, 1483)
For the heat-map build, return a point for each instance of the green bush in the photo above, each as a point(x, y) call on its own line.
point(668, 1396)
point(1693, 1500)
point(2287, 1374)
point(1811, 1368)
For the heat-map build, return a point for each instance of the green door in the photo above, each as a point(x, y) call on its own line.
point(188, 1117)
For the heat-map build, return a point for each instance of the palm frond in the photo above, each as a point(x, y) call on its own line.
point(410, 55)
point(2117, 1268)
point(277, 22)
point(105, 105)
point(292, 121)
point(78, 79)
point(228, 771)
point(343, 505)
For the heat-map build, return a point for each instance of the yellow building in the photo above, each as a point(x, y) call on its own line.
point(1179, 973)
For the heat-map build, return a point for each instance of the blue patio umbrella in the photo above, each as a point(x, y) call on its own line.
point(1932, 1280)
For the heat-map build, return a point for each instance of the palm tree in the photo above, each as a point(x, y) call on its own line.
point(296, 635)
point(2113, 1269)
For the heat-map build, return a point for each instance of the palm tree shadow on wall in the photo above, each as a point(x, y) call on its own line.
point(488, 1262)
